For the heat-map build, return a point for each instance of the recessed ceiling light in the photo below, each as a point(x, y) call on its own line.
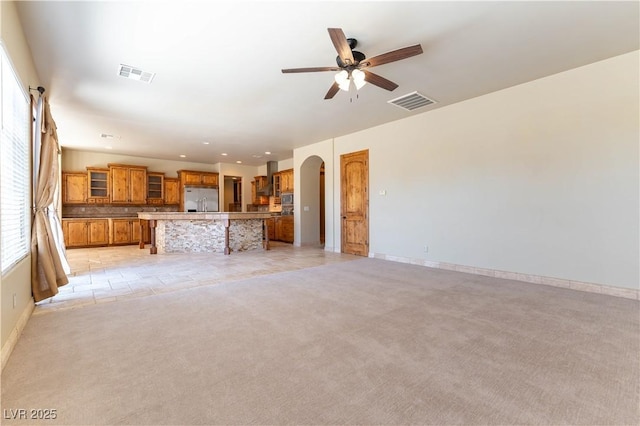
point(108, 147)
point(239, 162)
point(224, 153)
point(183, 156)
point(268, 152)
point(205, 143)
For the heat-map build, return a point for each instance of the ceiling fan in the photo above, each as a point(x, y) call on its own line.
point(352, 64)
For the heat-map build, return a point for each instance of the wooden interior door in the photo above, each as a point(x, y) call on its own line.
point(354, 202)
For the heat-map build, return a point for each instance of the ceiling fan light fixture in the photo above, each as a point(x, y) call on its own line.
point(344, 85)
point(358, 78)
point(342, 78)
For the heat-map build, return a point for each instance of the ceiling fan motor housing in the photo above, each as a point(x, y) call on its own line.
point(357, 57)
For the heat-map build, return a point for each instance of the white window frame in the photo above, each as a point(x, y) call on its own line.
point(15, 167)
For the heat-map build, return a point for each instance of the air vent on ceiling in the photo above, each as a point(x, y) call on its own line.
point(411, 101)
point(134, 73)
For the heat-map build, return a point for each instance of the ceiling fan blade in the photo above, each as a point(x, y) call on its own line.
point(332, 91)
point(379, 81)
point(394, 55)
point(312, 69)
point(341, 44)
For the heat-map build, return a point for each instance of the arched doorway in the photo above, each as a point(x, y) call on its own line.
point(312, 206)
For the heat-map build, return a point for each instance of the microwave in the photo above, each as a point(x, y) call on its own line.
point(286, 198)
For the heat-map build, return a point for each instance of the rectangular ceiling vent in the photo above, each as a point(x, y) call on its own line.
point(134, 73)
point(411, 101)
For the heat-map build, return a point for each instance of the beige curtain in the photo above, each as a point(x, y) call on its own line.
point(47, 271)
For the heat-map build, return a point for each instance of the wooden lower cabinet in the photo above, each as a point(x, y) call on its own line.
point(281, 228)
point(85, 232)
point(286, 229)
point(127, 231)
point(103, 232)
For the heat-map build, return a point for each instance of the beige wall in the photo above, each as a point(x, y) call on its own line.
point(18, 280)
point(305, 221)
point(77, 160)
point(247, 174)
point(541, 178)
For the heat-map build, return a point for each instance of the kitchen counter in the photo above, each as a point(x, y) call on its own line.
point(203, 215)
point(206, 232)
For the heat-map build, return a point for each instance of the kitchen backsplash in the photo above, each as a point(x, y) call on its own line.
point(112, 211)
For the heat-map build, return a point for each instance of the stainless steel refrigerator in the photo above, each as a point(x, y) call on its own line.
point(200, 199)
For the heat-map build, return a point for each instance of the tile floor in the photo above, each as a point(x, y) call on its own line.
point(110, 274)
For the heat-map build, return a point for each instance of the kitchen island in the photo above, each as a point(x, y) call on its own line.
point(206, 232)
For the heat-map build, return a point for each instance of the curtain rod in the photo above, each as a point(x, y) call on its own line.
point(39, 89)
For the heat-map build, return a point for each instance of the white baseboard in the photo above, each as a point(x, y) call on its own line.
point(627, 293)
point(16, 332)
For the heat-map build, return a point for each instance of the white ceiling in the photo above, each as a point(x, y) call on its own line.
point(218, 66)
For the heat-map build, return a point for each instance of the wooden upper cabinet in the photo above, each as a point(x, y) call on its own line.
point(192, 177)
point(155, 188)
point(210, 179)
point(277, 187)
point(138, 189)
point(119, 184)
point(128, 184)
point(98, 180)
point(74, 188)
point(171, 191)
point(261, 182)
point(286, 180)
point(257, 184)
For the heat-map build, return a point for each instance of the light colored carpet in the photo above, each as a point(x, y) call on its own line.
point(359, 342)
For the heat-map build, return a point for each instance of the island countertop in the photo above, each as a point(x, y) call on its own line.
point(202, 215)
point(197, 232)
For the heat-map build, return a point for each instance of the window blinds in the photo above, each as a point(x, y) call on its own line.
point(15, 218)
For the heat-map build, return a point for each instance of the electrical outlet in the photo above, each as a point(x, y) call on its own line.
point(426, 248)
